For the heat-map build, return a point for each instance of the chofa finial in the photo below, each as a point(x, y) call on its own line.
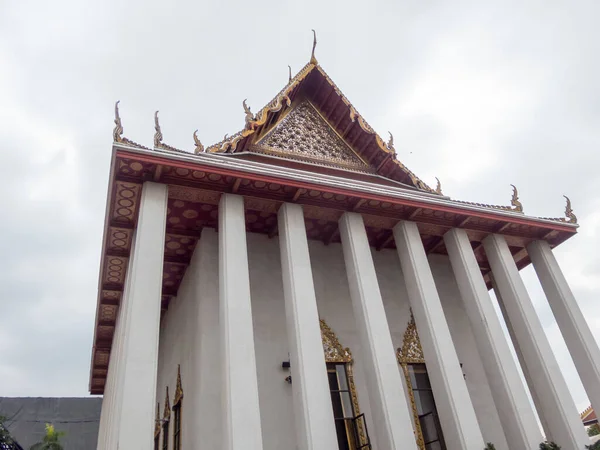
point(313, 60)
point(249, 115)
point(118, 130)
point(438, 188)
point(158, 137)
point(514, 201)
point(289, 74)
point(390, 144)
point(199, 147)
point(571, 217)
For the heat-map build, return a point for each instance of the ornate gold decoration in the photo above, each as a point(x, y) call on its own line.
point(514, 201)
point(167, 410)
point(157, 421)
point(334, 351)
point(571, 217)
point(304, 134)
point(438, 188)
point(412, 353)
point(199, 147)
point(289, 74)
point(178, 388)
point(158, 137)
point(118, 130)
point(313, 60)
point(249, 115)
point(390, 144)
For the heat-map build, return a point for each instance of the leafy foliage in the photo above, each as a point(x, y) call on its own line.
point(6, 440)
point(593, 430)
point(549, 446)
point(51, 440)
point(594, 446)
point(489, 446)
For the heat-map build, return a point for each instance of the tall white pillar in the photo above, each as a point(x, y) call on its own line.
point(538, 406)
point(389, 408)
point(514, 409)
point(241, 414)
point(313, 412)
point(551, 389)
point(456, 412)
point(140, 346)
point(576, 332)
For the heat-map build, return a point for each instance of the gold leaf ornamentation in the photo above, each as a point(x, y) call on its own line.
point(118, 130)
point(514, 201)
point(438, 188)
point(249, 115)
point(167, 410)
point(158, 137)
point(571, 217)
point(199, 147)
point(334, 352)
point(178, 388)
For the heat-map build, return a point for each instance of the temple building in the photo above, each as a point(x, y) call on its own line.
point(296, 286)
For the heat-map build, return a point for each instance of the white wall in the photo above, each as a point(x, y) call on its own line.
point(189, 336)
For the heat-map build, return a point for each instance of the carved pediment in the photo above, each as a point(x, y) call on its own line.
point(304, 134)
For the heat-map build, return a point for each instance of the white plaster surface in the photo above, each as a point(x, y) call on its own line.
point(201, 413)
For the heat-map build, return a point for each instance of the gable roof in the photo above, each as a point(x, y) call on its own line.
point(313, 84)
point(27, 417)
point(588, 416)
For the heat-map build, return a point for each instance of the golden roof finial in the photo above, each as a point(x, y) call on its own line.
point(390, 143)
point(289, 74)
point(514, 201)
point(118, 130)
point(199, 147)
point(572, 218)
point(313, 60)
point(158, 137)
point(438, 188)
point(249, 115)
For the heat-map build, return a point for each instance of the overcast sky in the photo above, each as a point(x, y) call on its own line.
point(480, 96)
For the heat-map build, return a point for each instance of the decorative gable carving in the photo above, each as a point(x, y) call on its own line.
point(304, 134)
point(334, 351)
point(411, 351)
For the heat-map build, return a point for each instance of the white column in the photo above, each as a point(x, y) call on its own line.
point(457, 415)
point(315, 427)
point(241, 414)
point(576, 332)
point(547, 380)
point(140, 346)
point(528, 379)
point(391, 418)
point(514, 409)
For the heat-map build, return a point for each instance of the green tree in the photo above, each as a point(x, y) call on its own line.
point(593, 430)
point(51, 440)
point(6, 440)
point(549, 446)
point(489, 446)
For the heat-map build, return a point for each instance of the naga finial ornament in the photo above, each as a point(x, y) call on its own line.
point(118, 130)
point(158, 137)
point(514, 201)
point(313, 60)
point(249, 115)
point(199, 147)
point(438, 188)
point(390, 144)
point(571, 217)
point(289, 74)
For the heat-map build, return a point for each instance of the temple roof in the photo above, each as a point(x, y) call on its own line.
point(588, 416)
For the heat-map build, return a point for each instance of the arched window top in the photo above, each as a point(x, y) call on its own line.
point(178, 388)
point(411, 351)
point(334, 351)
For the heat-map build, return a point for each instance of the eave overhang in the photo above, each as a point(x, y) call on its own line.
point(196, 182)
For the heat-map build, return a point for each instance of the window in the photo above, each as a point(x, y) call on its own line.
point(166, 435)
point(177, 427)
point(427, 413)
point(343, 410)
